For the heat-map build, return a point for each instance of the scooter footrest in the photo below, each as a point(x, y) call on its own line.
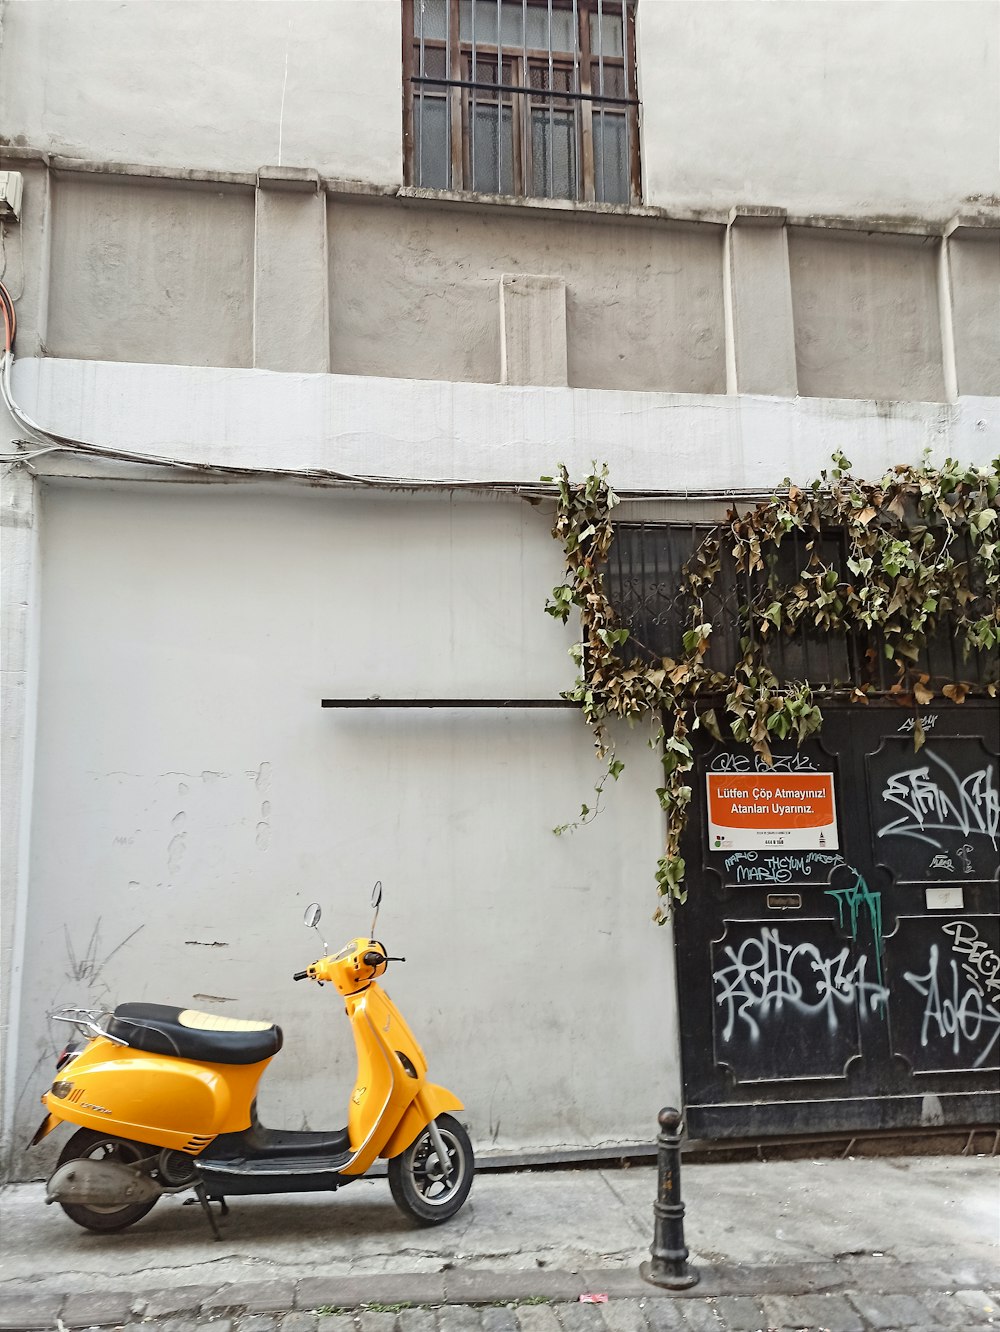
point(277, 1174)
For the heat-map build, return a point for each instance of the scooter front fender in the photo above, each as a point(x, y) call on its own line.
point(428, 1103)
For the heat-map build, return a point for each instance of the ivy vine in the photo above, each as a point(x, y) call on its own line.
point(917, 553)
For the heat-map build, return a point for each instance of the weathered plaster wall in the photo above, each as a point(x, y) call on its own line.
point(973, 278)
point(114, 268)
point(154, 272)
point(782, 103)
point(866, 316)
point(416, 293)
point(207, 83)
point(867, 108)
point(192, 797)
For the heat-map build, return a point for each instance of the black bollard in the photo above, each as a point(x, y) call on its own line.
point(669, 1266)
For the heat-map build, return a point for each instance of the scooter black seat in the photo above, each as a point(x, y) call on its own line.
point(188, 1034)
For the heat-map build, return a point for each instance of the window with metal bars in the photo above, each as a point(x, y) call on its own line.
point(532, 98)
point(644, 582)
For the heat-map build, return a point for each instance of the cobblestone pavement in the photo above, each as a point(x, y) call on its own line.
point(928, 1311)
point(806, 1298)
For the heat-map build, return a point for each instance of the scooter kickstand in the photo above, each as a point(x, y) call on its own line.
point(207, 1209)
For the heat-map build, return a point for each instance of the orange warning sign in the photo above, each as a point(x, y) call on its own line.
point(748, 811)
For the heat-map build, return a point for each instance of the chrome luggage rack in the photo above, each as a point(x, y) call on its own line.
point(87, 1020)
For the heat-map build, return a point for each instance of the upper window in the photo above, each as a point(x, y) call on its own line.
point(522, 97)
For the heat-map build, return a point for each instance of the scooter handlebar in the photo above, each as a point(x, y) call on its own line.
point(301, 975)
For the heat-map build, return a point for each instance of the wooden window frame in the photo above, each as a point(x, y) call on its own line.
point(465, 90)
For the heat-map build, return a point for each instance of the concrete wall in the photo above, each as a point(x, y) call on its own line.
point(192, 797)
point(416, 293)
point(783, 103)
point(866, 315)
point(283, 276)
point(151, 272)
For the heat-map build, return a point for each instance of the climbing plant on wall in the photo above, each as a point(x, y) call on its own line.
point(916, 555)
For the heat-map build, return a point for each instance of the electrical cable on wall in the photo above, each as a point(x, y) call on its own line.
point(52, 442)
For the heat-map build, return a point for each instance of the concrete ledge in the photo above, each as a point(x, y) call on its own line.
point(298, 180)
point(757, 215)
point(974, 226)
point(691, 215)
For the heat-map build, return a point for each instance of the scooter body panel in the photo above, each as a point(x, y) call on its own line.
point(157, 1099)
point(429, 1102)
point(392, 1071)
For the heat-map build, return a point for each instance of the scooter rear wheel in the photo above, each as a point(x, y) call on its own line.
point(104, 1147)
point(419, 1185)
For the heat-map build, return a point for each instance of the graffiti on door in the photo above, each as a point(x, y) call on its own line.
point(954, 967)
point(940, 816)
point(790, 998)
point(838, 985)
point(766, 973)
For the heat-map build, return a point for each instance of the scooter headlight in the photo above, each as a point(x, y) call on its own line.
point(62, 1089)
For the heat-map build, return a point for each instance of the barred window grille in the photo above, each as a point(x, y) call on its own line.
point(645, 584)
point(529, 98)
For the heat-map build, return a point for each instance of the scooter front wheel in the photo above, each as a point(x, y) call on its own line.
point(423, 1187)
point(103, 1147)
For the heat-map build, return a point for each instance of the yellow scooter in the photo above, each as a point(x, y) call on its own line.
point(166, 1101)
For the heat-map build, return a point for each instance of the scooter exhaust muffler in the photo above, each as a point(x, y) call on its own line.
point(100, 1184)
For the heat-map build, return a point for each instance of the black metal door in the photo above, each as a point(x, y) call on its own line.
point(839, 952)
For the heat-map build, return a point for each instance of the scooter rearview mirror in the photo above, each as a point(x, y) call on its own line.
point(311, 920)
point(376, 903)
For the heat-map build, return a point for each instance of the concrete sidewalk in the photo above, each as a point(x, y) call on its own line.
point(765, 1236)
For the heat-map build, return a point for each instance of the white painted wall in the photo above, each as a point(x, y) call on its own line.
point(489, 432)
point(208, 83)
point(818, 107)
point(192, 797)
point(189, 791)
point(865, 108)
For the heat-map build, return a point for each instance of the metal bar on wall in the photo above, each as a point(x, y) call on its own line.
point(586, 107)
point(527, 156)
point(510, 87)
point(408, 89)
point(552, 136)
point(517, 108)
point(447, 703)
point(575, 138)
point(423, 71)
point(632, 70)
point(472, 98)
point(500, 100)
point(454, 56)
point(600, 67)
